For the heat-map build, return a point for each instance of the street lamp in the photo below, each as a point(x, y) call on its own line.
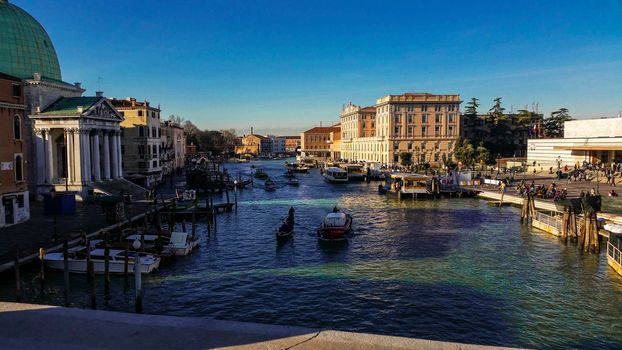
point(559, 168)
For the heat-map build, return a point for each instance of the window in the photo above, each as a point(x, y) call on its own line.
point(122, 113)
point(451, 108)
point(154, 164)
point(424, 108)
point(140, 113)
point(397, 108)
point(141, 131)
point(437, 118)
point(437, 108)
point(397, 118)
point(20, 201)
point(437, 131)
point(424, 131)
point(450, 118)
point(17, 128)
point(410, 130)
point(17, 90)
point(424, 118)
point(397, 129)
point(19, 174)
point(450, 131)
point(410, 108)
point(410, 119)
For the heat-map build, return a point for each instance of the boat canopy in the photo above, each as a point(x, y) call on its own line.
point(178, 239)
point(409, 177)
point(336, 170)
point(615, 228)
point(335, 220)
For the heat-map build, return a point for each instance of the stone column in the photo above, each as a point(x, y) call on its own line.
point(106, 154)
point(69, 154)
point(40, 156)
point(78, 160)
point(85, 145)
point(49, 160)
point(114, 155)
point(120, 155)
point(96, 162)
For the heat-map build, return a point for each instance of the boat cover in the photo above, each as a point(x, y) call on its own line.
point(335, 220)
point(178, 239)
point(615, 228)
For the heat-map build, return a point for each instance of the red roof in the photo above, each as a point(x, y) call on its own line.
point(323, 130)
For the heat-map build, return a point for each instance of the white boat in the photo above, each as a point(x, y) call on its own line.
point(180, 243)
point(77, 261)
point(335, 175)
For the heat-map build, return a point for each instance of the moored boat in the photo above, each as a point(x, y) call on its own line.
point(335, 175)
point(414, 185)
point(179, 243)
point(335, 227)
point(355, 172)
point(77, 261)
point(269, 185)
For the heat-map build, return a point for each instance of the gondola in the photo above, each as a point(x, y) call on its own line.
point(286, 230)
point(269, 185)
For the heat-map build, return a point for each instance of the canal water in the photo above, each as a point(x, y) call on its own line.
point(452, 270)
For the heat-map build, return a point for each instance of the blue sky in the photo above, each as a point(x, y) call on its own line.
point(284, 66)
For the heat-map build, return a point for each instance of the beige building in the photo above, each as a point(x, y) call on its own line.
point(425, 125)
point(141, 141)
point(173, 149)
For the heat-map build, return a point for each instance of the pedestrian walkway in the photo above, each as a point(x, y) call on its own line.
point(24, 326)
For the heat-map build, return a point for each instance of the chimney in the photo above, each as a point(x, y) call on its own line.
point(80, 109)
point(251, 130)
point(133, 102)
point(38, 109)
point(37, 76)
point(99, 93)
point(78, 85)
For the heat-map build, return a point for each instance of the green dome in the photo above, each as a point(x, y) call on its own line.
point(25, 47)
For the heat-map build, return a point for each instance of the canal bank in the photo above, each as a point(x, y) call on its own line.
point(446, 270)
point(26, 326)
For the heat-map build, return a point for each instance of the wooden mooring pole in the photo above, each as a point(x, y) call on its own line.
point(106, 265)
point(138, 303)
point(90, 273)
point(66, 270)
point(18, 280)
point(126, 254)
point(42, 270)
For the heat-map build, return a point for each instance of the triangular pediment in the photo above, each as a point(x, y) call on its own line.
point(103, 109)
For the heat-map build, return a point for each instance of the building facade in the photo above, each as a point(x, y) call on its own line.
point(588, 140)
point(14, 198)
point(254, 145)
point(278, 144)
point(319, 143)
point(79, 139)
point(173, 151)
point(292, 144)
point(423, 124)
point(141, 141)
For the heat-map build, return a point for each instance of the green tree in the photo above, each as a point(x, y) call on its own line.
point(554, 125)
point(496, 113)
point(406, 158)
point(464, 152)
point(524, 117)
point(471, 108)
point(482, 154)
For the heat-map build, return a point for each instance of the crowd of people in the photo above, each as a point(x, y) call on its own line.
point(542, 191)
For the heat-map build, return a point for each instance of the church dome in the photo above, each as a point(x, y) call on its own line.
point(25, 47)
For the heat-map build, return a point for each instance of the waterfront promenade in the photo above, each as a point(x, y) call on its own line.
point(26, 326)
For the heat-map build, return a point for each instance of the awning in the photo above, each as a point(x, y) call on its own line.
point(596, 147)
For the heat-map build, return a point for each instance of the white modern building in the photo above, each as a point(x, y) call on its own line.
point(590, 140)
point(78, 144)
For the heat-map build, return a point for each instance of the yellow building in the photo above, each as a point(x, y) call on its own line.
point(141, 141)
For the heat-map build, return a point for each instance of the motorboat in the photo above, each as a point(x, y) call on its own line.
point(292, 181)
point(335, 175)
point(355, 172)
point(269, 185)
point(335, 227)
point(179, 243)
point(77, 260)
point(260, 174)
point(297, 167)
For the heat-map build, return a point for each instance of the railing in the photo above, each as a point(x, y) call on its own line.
point(614, 253)
point(551, 221)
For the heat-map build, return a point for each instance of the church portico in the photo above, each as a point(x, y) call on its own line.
point(77, 144)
